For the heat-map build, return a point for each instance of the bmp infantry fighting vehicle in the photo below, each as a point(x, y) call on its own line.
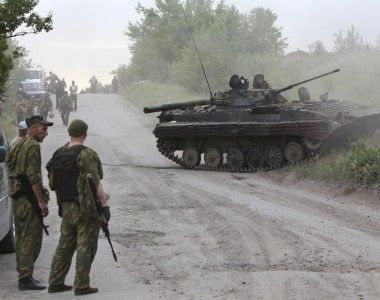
point(243, 130)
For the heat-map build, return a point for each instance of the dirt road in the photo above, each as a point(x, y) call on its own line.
point(191, 234)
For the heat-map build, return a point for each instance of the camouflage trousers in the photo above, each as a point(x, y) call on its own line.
point(65, 116)
point(77, 233)
point(28, 232)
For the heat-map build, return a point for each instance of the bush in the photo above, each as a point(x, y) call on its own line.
point(359, 166)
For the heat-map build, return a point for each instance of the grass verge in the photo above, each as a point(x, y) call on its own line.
point(353, 169)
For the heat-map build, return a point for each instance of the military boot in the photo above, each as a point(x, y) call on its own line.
point(59, 288)
point(28, 283)
point(85, 291)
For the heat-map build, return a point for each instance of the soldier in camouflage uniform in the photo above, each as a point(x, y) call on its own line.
point(29, 107)
point(46, 106)
point(25, 158)
point(20, 109)
point(65, 108)
point(80, 220)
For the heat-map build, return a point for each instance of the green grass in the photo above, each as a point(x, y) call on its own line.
point(354, 168)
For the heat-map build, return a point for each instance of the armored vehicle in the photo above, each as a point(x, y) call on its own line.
point(243, 130)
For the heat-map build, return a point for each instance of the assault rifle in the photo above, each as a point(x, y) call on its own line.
point(104, 222)
point(29, 193)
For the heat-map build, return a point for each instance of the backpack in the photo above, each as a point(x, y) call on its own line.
point(64, 165)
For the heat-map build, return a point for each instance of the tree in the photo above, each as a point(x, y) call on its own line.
point(352, 41)
point(262, 35)
point(317, 48)
point(162, 48)
point(17, 18)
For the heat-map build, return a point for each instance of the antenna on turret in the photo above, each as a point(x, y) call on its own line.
point(196, 48)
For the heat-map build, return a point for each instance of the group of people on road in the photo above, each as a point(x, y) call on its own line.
point(26, 107)
point(65, 101)
point(96, 86)
point(69, 170)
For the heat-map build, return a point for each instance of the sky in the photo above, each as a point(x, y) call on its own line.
point(88, 39)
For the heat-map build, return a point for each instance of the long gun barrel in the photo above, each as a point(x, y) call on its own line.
point(104, 223)
point(298, 83)
point(165, 107)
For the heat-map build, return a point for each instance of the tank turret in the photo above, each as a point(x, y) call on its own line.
point(243, 96)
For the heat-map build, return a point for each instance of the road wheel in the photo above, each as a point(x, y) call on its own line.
point(7, 245)
point(255, 159)
point(213, 157)
point(294, 152)
point(235, 158)
point(191, 157)
point(274, 156)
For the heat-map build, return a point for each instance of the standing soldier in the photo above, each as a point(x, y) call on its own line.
point(93, 82)
point(24, 160)
point(29, 107)
point(73, 95)
point(59, 92)
point(67, 172)
point(115, 84)
point(46, 106)
point(65, 108)
point(20, 109)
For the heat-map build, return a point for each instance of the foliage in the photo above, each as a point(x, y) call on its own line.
point(145, 93)
point(20, 64)
point(356, 167)
point(162, 49)
point(149, 93)
point(317, 48)
point(16, 14)
point(353, 41)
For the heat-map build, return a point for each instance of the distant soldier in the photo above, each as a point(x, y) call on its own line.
point(115, 84)
point(59, 92)
point(29, 107)
point(93, 82)
point(324, 97)
point(46, 106)
point(65, 108)
point(64, 83)
point(73, 95)
point(20, 109)
point(52, 79)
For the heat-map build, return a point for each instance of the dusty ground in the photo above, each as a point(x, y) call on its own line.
point(191, 234)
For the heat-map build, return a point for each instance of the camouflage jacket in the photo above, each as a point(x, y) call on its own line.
point(46, 106)
point(65, 103)
point(88, 163)
point(24, 158)
point(19, 108)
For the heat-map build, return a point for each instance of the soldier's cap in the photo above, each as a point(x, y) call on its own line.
point(22, 125)
point(77, 128)
point(37, 119)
